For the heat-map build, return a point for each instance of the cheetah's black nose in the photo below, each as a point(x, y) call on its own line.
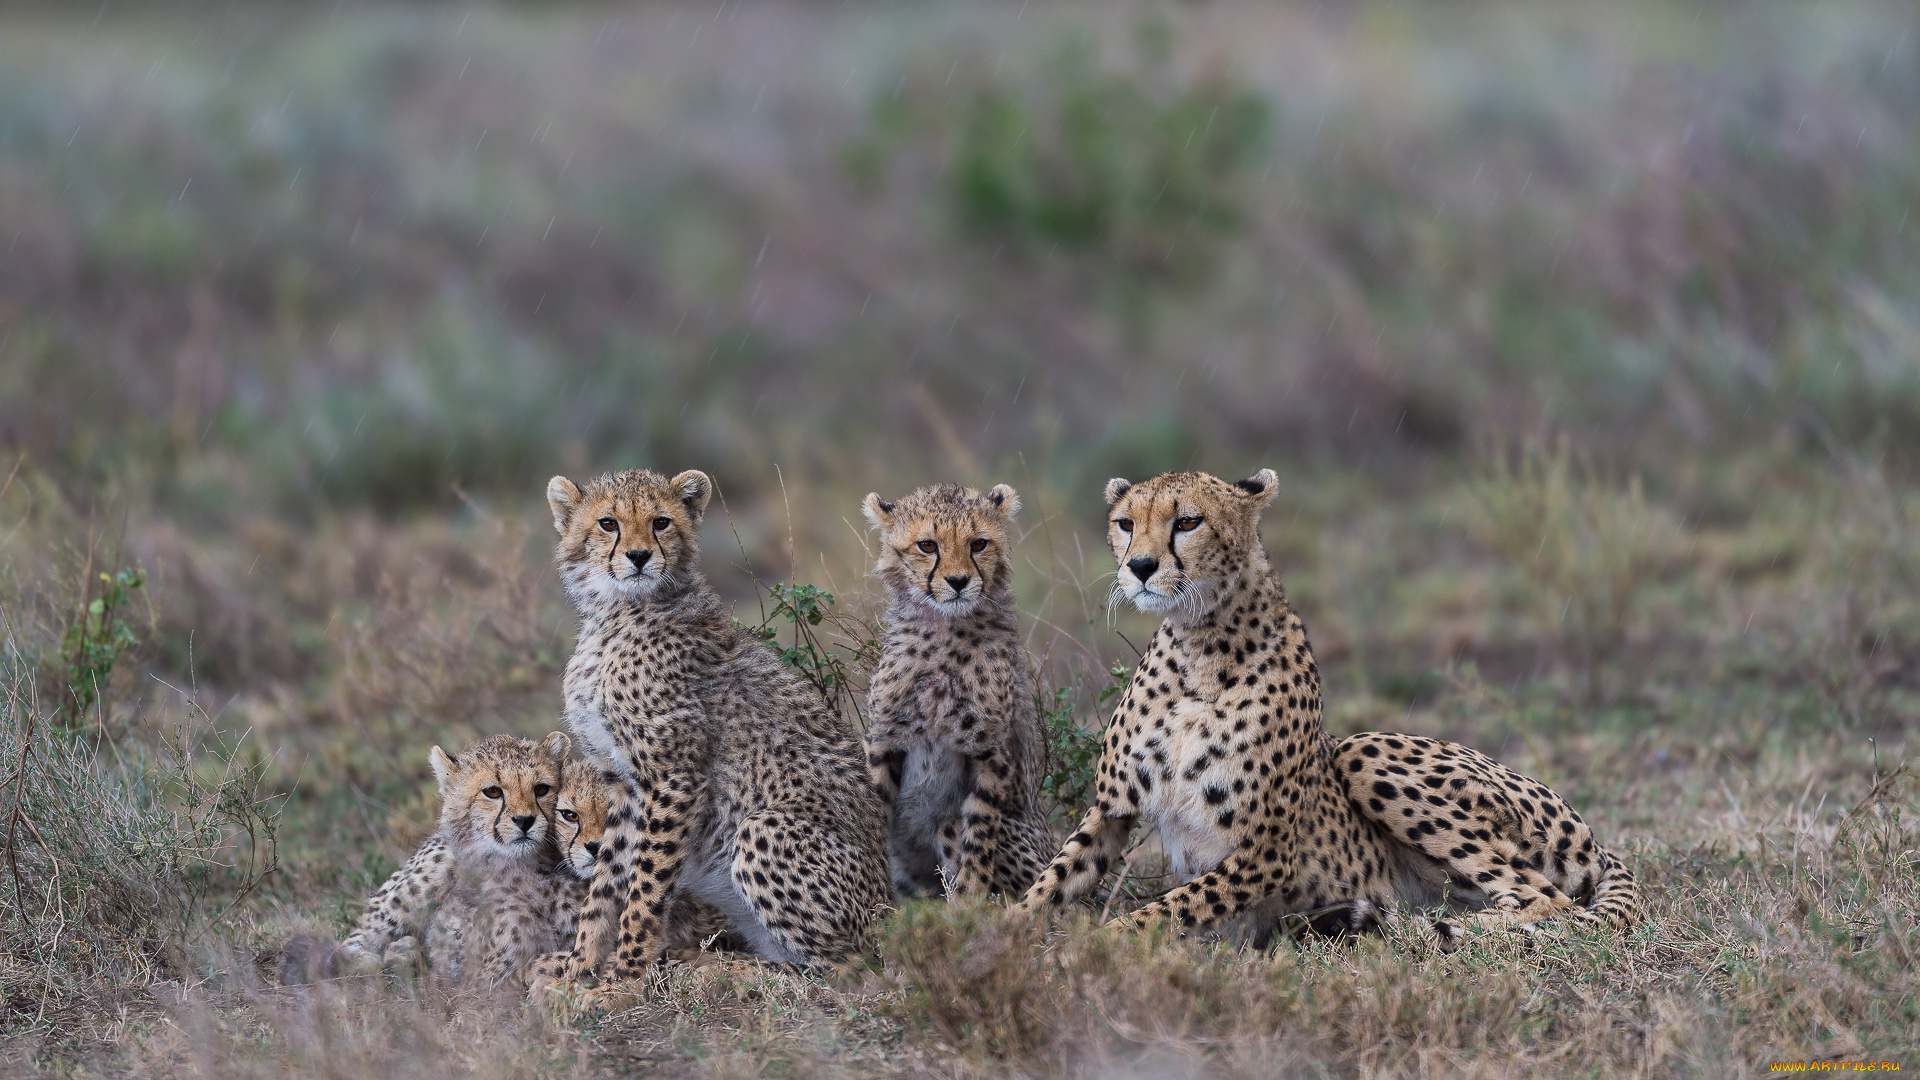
point(1143, 566)
point(958, 581)
point(638, 557)
point(525, 821)
point(593, 848)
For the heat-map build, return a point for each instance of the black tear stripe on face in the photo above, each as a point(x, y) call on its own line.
point(613, 549)
point(500, 782)
point(1173, 534)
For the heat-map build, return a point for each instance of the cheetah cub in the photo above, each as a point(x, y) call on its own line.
point(1270, 823)
point(496, 806)
point(737, 787)
point(523, 909)
point(953, 728)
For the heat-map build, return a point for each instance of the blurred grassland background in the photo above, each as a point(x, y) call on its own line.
point(1585, 339)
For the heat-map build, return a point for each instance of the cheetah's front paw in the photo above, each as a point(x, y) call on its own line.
point(1031, 910)
point(557, 982)
point(401, 956)
point(555, 969)
point(357, 961)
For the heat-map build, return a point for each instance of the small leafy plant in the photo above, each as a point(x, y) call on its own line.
point(1073, 752)
point(810, 617)
point(97, 640)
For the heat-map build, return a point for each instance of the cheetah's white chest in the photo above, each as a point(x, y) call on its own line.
point(587, 713)
point(1189, 790)
point(932, 787)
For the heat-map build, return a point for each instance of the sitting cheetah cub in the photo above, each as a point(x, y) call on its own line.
point(738, 788)
point(953, 728)
point(496, 805)
point(1217, 744)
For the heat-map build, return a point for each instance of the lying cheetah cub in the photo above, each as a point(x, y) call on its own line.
point(522, 909)
point(737, 787)
point(1217, 744)
point(953, 728)
point(496, 805)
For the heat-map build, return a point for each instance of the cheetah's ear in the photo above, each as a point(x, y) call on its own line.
point(563, 498)
point(695, 489)
point(878, 510)
point(557, 745)
point(1006, 499)
point(1117, 487)
point(1260, 487)
point(443, 765)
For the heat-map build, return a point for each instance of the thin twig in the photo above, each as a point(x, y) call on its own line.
point(793, 552)
point(745, 565)
point(1126, 867)
point(11, 473)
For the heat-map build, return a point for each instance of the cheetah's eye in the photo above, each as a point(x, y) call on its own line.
point(660, 523)
point(493, 792)
point(540, 790)
point(1125, 524)
point(609, 525)
point(1186, 524)
point(569, 817)
point(977, 546)
point(928, 546)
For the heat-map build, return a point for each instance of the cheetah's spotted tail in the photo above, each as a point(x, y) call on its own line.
point(1616, 896)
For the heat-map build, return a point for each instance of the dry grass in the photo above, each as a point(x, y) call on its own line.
point(1765, 811)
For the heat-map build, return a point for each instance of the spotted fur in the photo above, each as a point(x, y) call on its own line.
point(953, 728)
point(1270, 824)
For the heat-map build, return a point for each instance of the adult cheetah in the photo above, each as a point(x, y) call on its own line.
point(1269, 823)
point(953, 727)
point(738, 788)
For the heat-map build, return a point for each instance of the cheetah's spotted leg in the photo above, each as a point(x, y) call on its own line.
point(672, 807)
point(1508, 838)
point(985, 837)
point(1028, 848)
point(1478, 851)
point(595, 932)
point(1082, 862)
point(400, 905)
point(448, 935)
point(1616, 896)
point(986, 849)
point(886, 764)
point(1242, 879)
